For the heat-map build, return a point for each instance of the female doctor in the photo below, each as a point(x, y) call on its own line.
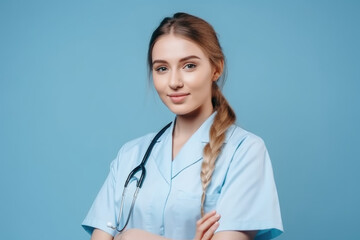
point(206, 178)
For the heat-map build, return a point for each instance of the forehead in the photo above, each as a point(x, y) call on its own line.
point(172, 47)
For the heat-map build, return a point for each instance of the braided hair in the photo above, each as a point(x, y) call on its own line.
point(202, 33)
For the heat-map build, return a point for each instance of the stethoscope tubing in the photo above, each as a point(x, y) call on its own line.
point(139, 182)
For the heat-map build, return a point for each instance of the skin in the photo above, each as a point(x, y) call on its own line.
point(183, 75)
point(181, 68)
point(205, 229)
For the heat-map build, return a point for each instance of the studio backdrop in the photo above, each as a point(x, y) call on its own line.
point(74, 87)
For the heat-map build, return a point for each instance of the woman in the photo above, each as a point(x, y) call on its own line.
point(206, 177)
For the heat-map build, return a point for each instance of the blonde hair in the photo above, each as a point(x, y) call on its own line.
point(224, 118)
point(203, 34)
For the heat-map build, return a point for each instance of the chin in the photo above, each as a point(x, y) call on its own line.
point(185, 112)
point(180, 111)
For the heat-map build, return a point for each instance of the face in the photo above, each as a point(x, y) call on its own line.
point(182, 75)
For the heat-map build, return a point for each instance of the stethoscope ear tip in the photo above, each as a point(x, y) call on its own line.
point(109, 224)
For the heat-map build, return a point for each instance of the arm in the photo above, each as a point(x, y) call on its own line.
point(228, 235)
point(100, 235)
point(138, 234)
point(234, 235)
point(205, 229)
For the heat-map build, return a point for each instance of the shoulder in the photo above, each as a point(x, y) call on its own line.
point(245, 153)
point(137, 143)
point(244, 147)
point(131, 151)
point(240, 138)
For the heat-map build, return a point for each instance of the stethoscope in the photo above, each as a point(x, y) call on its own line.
point(139, 182)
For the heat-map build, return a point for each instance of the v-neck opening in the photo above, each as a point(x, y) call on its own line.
point(197, 134)
point(182, 147)
point(186, 142)
point(190, 153)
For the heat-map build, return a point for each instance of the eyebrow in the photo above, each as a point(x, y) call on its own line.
point(181, 60)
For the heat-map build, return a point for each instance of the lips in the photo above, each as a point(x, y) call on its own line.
point(178, 97)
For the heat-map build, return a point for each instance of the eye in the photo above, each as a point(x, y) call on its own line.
point(189, 66)
point(161, 69)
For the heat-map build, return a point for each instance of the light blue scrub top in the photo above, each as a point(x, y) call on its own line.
point(242, 189)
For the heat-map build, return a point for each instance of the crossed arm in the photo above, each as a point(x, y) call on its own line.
point(205, 230)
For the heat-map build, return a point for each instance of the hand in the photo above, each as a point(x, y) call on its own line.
point(206, 226)
point(127, 234)
point(138, 234)
point(119, 236)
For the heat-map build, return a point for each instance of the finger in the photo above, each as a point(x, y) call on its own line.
point(208, 222)
point(205, 217)
point(203, 227)
point(210, 232)
point(200, 227)
point(199, 232)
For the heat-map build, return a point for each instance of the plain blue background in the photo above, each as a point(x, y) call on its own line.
point(74, 88)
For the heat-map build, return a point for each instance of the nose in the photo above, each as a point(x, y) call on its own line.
point(175, 81)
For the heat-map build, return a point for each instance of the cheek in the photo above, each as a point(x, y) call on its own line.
point(202, 88)
point(156, 83)
point(200, 82)
point(159, 86)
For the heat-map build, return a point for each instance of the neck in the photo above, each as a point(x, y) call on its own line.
point(186, 125)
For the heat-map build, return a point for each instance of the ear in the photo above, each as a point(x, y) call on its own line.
point(216, 76)
point(218, 70)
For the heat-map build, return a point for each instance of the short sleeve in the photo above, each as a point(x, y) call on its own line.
point(248, 198)
point(102, 210)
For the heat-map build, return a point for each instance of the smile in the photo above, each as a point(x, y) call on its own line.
point(178, 97)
